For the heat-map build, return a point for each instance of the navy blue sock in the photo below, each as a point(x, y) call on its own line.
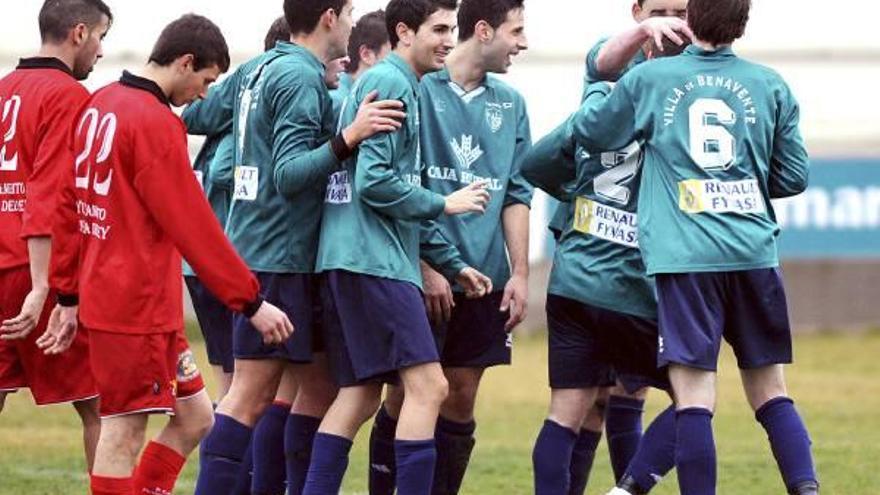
point(383, 468)
point(455, 442)
point(551, 459)
point(245, 473)
point(268, 451)
point(415, 466)
point(656, 454)
point(623, 427)
point(695, 452)
point(789, 440)
point(223, 450)
point(329, 462)
point(582, 456)
point(299, 434)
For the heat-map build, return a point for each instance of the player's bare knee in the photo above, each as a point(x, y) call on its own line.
point(425, 384)
point(569, 407)
point(763, 384)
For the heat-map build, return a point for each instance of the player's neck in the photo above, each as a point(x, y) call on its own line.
point(162, 76)
point(709, 47)
point(465, 64)
point(315, 43)
point(407, 56)
point(62, 53)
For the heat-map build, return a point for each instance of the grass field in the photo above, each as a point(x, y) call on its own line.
point(836, 382)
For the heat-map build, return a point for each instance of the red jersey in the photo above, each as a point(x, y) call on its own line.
point(39, 101)
point(135, 205)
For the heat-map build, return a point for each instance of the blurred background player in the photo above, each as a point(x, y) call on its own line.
point(722, 139)
point(375, 321)
point(367, 46)
point(660, 30)
point(122, 218)
point(286, 147)
point(212, 117)
point(38, 105)
point(474, 127)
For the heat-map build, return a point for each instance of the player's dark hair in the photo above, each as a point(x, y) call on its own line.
point(412, 13)
point(303, 15)
point(277, 32)
point(370, 31)
point(195, 35)
point(58, 17)
point(494, 12)
point(719, 22)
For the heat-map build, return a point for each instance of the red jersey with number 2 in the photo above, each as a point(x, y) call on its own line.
point(39, 101)
point(135, 204)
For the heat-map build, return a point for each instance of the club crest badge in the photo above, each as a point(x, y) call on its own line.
point(494, 117)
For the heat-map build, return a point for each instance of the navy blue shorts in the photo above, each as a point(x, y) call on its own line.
point(373, 327)
point(215, 320)
point(746, 308)
point(589, 346)
point(293, 293)
point(474, 337)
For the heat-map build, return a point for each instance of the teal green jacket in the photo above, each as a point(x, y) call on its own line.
point(341, 93)
point(283, 157)
point(212, 117)
point(374, 206)
point(481, 135)
point(721, 139)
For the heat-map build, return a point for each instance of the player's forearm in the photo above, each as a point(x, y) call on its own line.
point(549, 165)
point(515, 220)
point(39, 252)
point(295, 175)
point(438, 252)
point(618, 51)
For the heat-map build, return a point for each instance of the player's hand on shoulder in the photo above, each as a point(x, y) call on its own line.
point(27, 319)
point(673, 29)
point(438, 295)
point(515, 300)
point(474, 283)
point(472, 198)
point(59, 334)
point(374, 117)
point(272, 323)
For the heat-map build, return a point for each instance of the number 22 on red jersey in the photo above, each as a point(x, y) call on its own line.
point(95, 132)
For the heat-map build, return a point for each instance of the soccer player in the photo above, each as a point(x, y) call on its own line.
point(474, 127)
point(660, 30)
point(212, 117)
point(367, 46)
point(38, 104)
point(375, 323)
point(285, 148)
point(721, 139)
point(134, 204)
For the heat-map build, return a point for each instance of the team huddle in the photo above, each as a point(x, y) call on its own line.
point(354, 238)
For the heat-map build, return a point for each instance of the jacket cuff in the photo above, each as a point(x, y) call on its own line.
point(68, 300)
point(251, 308)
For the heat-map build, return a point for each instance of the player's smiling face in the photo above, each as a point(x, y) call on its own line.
point(433, 41)
point(91, 49)
point(660, 8)
point(505, 42)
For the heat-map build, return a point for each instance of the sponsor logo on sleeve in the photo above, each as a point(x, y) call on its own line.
point(715, 196)
point(339, 188)
point(611, 224)
point(247, 180)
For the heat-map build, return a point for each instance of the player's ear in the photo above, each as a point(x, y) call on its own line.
point(79, 34)
point(636, 11)
point(484, 32)
point(187, 62)
point(405, 34)
point(329, 18)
